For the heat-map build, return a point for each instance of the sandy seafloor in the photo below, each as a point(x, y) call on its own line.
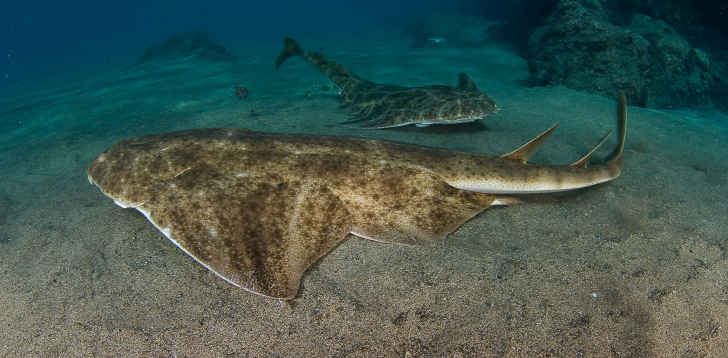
point(632, 268)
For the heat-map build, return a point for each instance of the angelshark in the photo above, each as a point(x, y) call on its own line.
point(259, 208)
point(376, 105)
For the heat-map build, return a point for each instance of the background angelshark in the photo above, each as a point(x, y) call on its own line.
point(377, 105)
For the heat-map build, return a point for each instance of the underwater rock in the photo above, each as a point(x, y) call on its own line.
point(516, 28)
point(185, 44)
point(585, 45)
point(448, 30)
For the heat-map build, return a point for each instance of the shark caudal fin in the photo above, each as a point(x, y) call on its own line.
point(290, 48)
point(330, 68)
point(621, 128)
point(621, 131)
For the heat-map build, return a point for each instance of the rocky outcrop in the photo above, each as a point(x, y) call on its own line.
point(587, 45)
point(185, 44)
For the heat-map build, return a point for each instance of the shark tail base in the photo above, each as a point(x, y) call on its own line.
point(290, 49)
point(621, 128)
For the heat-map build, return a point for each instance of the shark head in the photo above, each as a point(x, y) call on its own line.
point(462, 103)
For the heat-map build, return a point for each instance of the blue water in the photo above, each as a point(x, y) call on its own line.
point(50, 38)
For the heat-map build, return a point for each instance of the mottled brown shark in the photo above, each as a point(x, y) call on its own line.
point(376, 105)
point(259, 208)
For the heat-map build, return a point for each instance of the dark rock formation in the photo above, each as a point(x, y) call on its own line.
point(516, 20)
point(588, 45)
point(448, 30)
point(665, 53)
point(185, 44)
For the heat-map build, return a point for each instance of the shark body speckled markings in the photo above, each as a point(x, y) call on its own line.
point(259, 208)
point(376, 105)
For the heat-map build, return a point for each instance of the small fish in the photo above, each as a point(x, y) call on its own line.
point(436, 39)
point(376, 106)
point(259, 208)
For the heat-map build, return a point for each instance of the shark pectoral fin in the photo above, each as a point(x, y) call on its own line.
point(581, 163)
point(372, 119)
point(529, 149)
point(254, 235)
point(290, 48)
point(466, 83)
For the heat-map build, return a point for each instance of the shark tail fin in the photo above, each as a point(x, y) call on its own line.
point(332, 69)
point(621, 128)
point(621, 131)
point(290, 48)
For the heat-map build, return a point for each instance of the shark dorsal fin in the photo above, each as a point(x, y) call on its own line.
point(466, 83)
point(529, 149)
point(581, 163)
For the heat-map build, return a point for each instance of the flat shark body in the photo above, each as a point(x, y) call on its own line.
point(376, 105)
point(259, 208)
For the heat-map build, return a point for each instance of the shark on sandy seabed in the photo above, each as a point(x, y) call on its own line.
point(259, 208)
point(376, 106)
